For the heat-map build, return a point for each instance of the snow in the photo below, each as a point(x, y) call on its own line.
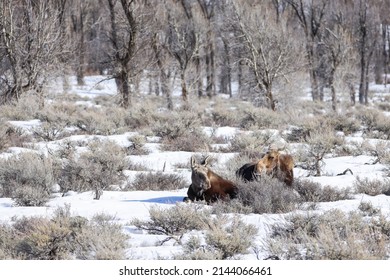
point(127, 205)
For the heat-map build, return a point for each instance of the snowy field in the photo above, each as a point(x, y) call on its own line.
point(127, 205)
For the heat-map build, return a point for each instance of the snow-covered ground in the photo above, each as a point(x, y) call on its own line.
point(136, 204)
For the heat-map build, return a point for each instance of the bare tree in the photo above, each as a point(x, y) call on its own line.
point(31, 45)
point(162, 57)
point(268, 52)
point(367, 40)
point(208, 12)
point(79, 17)
point(338, 48)
point(310, 15)
point(182, 44)
point(128, 43)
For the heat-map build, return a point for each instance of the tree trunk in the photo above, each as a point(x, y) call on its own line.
point(183, 87)
point(333, 90)
point(199, 83)
point(123, 85)
point(312, 72)
point(352, 93)
point(81, 50)
point(362, 52)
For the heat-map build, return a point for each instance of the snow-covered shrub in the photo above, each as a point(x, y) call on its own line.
point(55, 118)
point(100, 121)
point(23, 109)
point(137, 145)
point(26, 195)
point(63, 237)
point(320, 142)
point(230, 240)
point(11, 136)
point(368, 209)
point(376, 123)
point(267, 195)
point(221, 115)
point(333, 235)
point(181, 131)
point(96, 169)
point(314, 192)
point(345, 123)
point(101, 239)
point(225, 238)
point(190, 141)
point(28, 177)
point(194, 249)
point(261, 118)
point(372, 186)
point(174, 222)
point(250, 144)
point(157, 181)
point(142, 115)
point(176, 124)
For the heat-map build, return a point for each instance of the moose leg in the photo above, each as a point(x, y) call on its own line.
point(192, 195)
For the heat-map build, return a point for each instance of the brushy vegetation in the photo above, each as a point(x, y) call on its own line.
point(27, 178)
point(174, 222)
point(63, 237)
point(204, 231)
point(267, 195)
point(314, 192)
point(156, 181)
point(372, 186)
point(96, 169)
point(224, 237)
point(334, 235)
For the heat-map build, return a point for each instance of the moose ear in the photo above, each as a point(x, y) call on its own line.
point(193, 162)
point(206, 161)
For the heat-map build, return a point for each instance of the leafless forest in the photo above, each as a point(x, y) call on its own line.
point(259, 46)
point(223, 78)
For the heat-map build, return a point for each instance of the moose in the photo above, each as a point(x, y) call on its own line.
point(207, 185)
point(273, 163)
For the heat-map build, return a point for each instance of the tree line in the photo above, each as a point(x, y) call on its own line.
point(209, 46)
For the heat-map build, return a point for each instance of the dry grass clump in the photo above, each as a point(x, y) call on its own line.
point(313, 192)
point(11, 136)
point(333, 235)
point(221, 115)
point(176, 124)
point(25, 108)
point(96, 169)
point(137, 145)
point(27, 178)
point(142, 115)
point(225, 238)
point(156, 181)
point(251, 144)
point(379, 149)
point(261, 118)
point(62, 237)
point(102, 239)
point(181, 131)
point(376, 124)
point(368, 209)
point(190, 141)
point(347, 123)
point(233, 239)
point(174, 222)
point(320, 142)
point(99, 121)
point(372, 187)
point(267, 195)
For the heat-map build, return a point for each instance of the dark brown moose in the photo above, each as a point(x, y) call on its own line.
point(207, 185)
